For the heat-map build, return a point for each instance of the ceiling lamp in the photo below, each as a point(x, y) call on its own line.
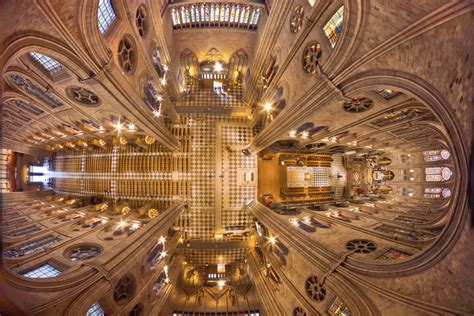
point(218, 67)
point(267, 107)
point(118, 127)
point(156, 113)
point(131, 127)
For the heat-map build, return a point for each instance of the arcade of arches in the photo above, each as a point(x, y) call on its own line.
point(257, 157)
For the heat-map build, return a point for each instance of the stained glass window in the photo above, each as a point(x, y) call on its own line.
point(237, 12)
point(51, 65)
point(31, 246)
point(333, 27)
point(247, 15)
point(84, 252)
point(255, 16)
point(105, 15)
point(193, 17)
point(212, 12)
point(232, 14)
point(206, 13)
point(229, 14)
point(216, 13)
point(339, 308)
point(243, 14)
point(438, 174)
point(393, 254)
point(388, 94)
point(24, 231)
point(182, 15)
point(31, 88)
point(222, 17)
point(187, 15)
point(44, 271)
point(433, 190)
point(175, 15)
point(227, 11)
point(95, 310)
point(436, 155)
point(28, 107)
point(196, 10)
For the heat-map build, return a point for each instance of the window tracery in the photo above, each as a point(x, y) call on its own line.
point(124, 289)
point(436, 155)
point(137, 310)
point(105, 15)
point(438, 174)
point(36, 91)
point(49, 64)
point(31, 247)
point(333, 28)
point(299, 311)
point(315, 289)
point(44, 271)
point(127, 55)
point(339, 308)
point(95, 310)
point(8, 113)
point(28, 107)
point(24, 231)
point(141, 21)
point(359, 104)
point(311, 58)
point(297, 19)
point(388, 94)
point(83, 96)
point(361, 246)
point(200, 15)
point(84, 252)
point(396, 117)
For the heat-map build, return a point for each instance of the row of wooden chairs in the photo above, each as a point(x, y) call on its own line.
point(153, 187)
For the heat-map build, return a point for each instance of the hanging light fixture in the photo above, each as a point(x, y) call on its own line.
point(218, 67)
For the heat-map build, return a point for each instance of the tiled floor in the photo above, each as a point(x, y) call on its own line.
point(216, 148)
point(210, 98)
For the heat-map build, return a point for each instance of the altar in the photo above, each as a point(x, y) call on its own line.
point(304, 176)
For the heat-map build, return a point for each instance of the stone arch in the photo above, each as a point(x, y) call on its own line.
point(433, 99)
point(55, 98)
point(96, 43)
point(188, 62)
point(50, 47)
point(238, 65)
point(354, 18)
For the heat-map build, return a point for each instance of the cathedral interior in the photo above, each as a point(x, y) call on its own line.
point(236, 157)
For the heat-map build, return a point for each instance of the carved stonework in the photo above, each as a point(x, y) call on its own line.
point(127, 55)
point(141, 21)
point(361, 246)
point(299, 311)
point(315, 289)
point(358, 105)
point(297, 19)
point(82, 96)
point(32, 89)
point(311, 58)
point(84, 252)
point(124, 289)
